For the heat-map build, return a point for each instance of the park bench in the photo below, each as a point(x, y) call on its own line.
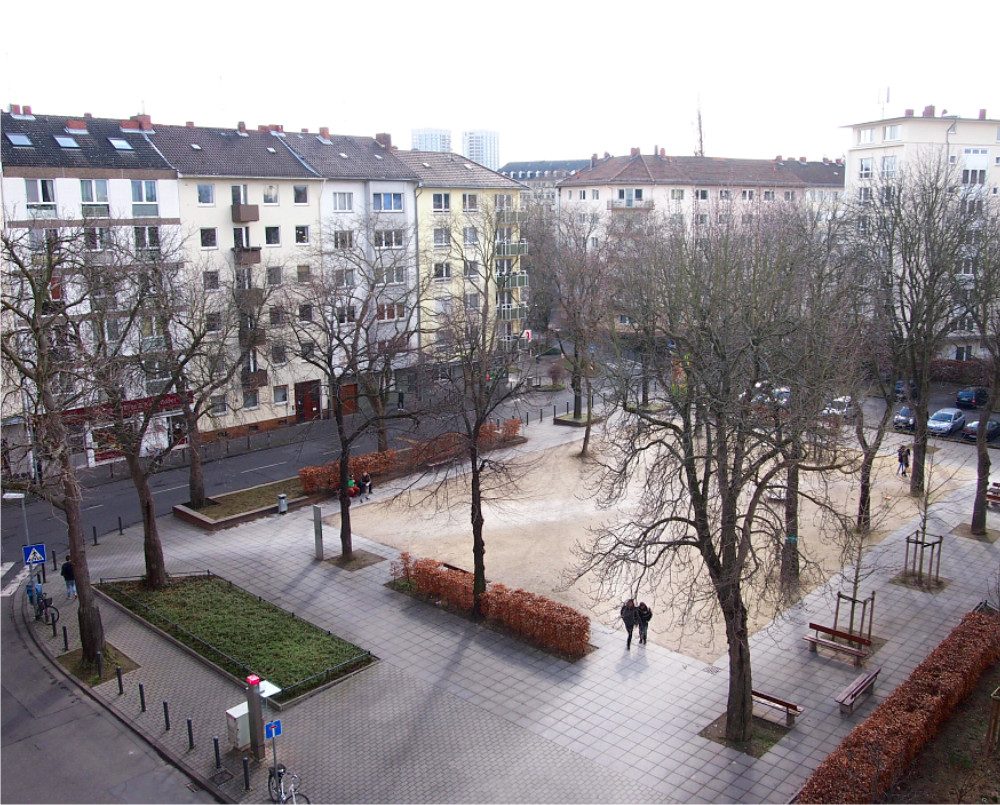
point(791, 711)
point(859, 650)
point(993, 495)
point(849, 696)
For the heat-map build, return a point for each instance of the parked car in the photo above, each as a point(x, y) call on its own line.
point(970, 431)
point(972, 397)
point(904, 419)
point(841, 409)
point(906, 391)
point(945, 422)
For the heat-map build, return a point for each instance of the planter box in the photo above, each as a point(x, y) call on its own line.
point(568, 421)
point(195, 517)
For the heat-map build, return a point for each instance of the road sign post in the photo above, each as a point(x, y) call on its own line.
point(34, 554)
point(272, 729)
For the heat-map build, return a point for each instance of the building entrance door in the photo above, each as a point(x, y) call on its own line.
point(307, 401)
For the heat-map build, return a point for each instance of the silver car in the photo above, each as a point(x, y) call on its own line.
point(946, 421)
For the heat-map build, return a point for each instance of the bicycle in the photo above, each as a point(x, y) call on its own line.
point(44, 610)
point(276, 776)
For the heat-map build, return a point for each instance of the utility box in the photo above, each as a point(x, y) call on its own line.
point(238, 726)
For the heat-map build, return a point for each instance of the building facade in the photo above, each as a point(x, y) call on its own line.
point(543, 176)
point(430, 140)
point(482, 147)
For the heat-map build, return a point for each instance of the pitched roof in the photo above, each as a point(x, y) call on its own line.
point(443, 169)
point(227, 152)
point(546, 165)
point(339, 156)
point(91, 134)
point(685, 170)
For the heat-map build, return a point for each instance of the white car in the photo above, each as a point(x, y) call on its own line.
point(842, 408)
point(946, 421)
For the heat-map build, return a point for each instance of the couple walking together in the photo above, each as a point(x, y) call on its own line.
point(634, 616)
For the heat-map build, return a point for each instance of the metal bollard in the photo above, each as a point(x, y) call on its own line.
point(121, 685)
point(53, 622)
point(100, 665)
point(43, 570)
point(54, 565)
point(190, 734)
point(246, 773)
point(540, 415)
point(120, 529)
point(218, 756)
point(567, 408)
point(95, 534)
point(166, 716)
point(142, 698)
point(553, 411)
point(65, 639)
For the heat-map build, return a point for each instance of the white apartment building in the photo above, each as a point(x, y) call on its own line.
point(880, 149)
point(430, 140)
point(482, 147)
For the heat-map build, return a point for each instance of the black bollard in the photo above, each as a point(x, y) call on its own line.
point(246, 773)
point(218, 757)
point(567, 408)
point(540, 415)
point(166, 716)
point(190, 734)
point(95, 534)
point(53, 622)
point(65, 639)
point(121, 685)
point(54, 565)
point(120, 529)
point(100, 665)
point(553, 411)
point(43, 569)
point(142, 698)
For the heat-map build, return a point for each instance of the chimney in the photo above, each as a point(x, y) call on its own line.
point(635, 152)
point(87, 116)
point(656, 150)
point(908, 113)
point(130, 125)
point(840, 162)
point(607, 155)
point(145, 122)
point(802, 160)
point(593, 160)
point(779, 158)
point(929, 111)
point(663, 152)
point(263, 127)
point(15, 109)
point(241, 127)
point(75, 125)
point(27, 110)
point(826, 161)
point(982, 114)
point(385, 140)
point(324, 132)
point(276, 127)
point(303, 131)
point(189, 124)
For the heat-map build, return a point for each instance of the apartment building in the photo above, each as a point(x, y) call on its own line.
point(470, 246)
point(430, 140)
point(542, 176)
point(482, 147)
point(881, 149)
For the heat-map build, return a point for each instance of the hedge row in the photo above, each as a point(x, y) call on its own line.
point(447, 447)
point(534, 618)
point(974, 371)
point(873, 757)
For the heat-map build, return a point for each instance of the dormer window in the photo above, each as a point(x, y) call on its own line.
point(120, 144)
point(19, 140)
point(65, 141)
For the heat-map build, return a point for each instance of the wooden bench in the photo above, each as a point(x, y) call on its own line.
point(849, 696)
point(859, 650)
point(792, 711)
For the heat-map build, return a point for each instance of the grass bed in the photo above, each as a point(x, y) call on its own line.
point(87, 673)
point(243, 633)
point(247, 500)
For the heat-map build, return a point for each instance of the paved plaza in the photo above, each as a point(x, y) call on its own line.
point(455, 712)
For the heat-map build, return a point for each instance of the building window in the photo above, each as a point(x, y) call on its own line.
point(971, 177)
point(241, 237)
point(789, 195)
point(274, 275)
point(595, 195)
point(209, 239)
point(213, 322)
point(701, 218)
point(94, 193)
point(41, 196)
point(147, 239)
point(472, 301)
point(239, 193)
point(251, 398)
point(470, 202)
point(210, 280)
point(276, 315)
point(144, 198)
point(441, 202)
point(272, 235)
point(389, 274)
point(891, 132)
point(218, 405)
point(725, 195)
point(270, 194)
point(95, 239)
point(346, 314)
point(342, 202)
point(504, 201)
point(65, 141)
point(889, 167)
point(344, 277)
point(343, 239)
point(389, 239)
point(119, 144)
point(864, 195)
point(387, 202)
point(303, 273)
point(676, 194)
point(701, 195)
point(300, 194)
point(391, 312)
point(442, 271)
point(583, 195)
point(747, 195)
point(24, 141)
point(278, 353)
point(963, 353)
point(305, 312)
point(768, 195)
point(279, 394)
point(470, 236)
point(865, 168)
point(206, 195)
point(307, 349)
point(301, 234)
point(866, 136)
point(442, 237)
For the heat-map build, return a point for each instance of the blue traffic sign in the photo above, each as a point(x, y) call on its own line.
point(34, 554)
point(272, 729)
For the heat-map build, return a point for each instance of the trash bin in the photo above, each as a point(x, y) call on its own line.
point(282, 504)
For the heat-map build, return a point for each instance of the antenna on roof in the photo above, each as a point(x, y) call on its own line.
point(701, 134)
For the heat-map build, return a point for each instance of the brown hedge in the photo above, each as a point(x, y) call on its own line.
point(535, 618)
point(873, 757)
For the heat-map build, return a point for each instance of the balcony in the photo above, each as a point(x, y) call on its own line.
point(246, 256)
point(515, 280)
point(630, 204)
point(245, 213)
point(511, 217)
point(512, 249)
point(254, 379)
point(511, 312)
point(249, 298)
point(255, 337)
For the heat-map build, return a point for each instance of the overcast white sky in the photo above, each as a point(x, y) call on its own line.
point(556, 80)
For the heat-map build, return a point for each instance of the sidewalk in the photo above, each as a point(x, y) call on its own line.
point(454, 712)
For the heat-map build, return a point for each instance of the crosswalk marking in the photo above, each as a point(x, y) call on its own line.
point(15, 582)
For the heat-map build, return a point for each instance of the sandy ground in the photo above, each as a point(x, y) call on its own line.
point(530, 540)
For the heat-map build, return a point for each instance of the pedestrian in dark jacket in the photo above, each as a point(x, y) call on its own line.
point(628, 613)
point(643, 615)
point(366, 486)
point(70, 578)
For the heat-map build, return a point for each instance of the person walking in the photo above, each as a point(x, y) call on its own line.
point(366, 486)
point(643, 616)
point(906, 461)
point(902, 460)
point(628, 613)
point(70, 578)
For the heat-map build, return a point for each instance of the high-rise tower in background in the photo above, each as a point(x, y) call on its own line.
point(431, 140)
point(482, 147)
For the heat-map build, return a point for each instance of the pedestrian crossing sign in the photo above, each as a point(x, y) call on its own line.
point(34, 554)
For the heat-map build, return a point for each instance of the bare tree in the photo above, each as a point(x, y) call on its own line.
point(44, 305)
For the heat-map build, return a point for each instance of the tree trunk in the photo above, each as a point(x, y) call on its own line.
point(156, 570)
point(739, 706)
point(586, 432)
point(381, 431)
point(790, 545)
point(344, 495)
point(919, 443)
point(196, 470)
point(576, 383)
point(978, 526)
point(478, 546)
point(864, 519)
